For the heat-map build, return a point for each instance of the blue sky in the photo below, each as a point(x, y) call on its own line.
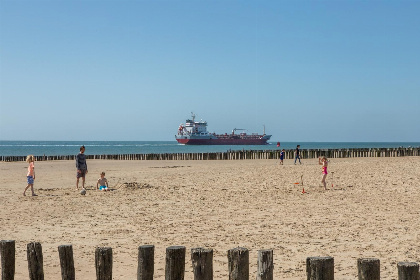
point(134, 70)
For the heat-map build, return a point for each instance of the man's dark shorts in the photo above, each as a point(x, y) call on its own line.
point(81, 173)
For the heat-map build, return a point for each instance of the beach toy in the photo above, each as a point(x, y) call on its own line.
point(303, 191)
point(83, 192)
point(301, 181)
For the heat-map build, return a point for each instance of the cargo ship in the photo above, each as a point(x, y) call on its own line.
point(195, 133)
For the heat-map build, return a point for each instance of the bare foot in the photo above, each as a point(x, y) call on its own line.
point(24, 194)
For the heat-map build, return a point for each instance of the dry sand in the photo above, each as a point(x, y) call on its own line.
point(372, 211)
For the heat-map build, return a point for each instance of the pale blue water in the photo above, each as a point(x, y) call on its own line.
point(51, 148)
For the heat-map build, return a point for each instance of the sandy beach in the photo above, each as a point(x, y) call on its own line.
point(373, 210)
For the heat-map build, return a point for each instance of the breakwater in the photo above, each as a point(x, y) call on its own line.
point(241, 155)
point(201, 261)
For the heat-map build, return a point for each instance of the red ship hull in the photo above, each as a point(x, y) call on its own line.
point(262, 141)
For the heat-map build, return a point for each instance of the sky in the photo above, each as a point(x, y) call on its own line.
point(326, 71)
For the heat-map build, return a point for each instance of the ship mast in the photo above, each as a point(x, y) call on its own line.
point(193, 116)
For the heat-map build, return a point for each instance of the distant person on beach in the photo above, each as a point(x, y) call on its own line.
point(31, 174)
point(282, 156)
point(81, 167)
point(297, 154)
point(102, 183)
point(324, 162)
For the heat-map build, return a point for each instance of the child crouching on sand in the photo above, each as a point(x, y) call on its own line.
point(31, 174)
point(324, 162)
point(102, 183)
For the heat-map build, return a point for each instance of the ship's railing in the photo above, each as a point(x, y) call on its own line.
point(201, 264)
point(241, 155)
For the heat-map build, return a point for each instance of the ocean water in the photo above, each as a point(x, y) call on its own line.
point(51, 148)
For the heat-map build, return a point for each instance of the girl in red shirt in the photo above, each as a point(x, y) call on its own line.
point(324, 162)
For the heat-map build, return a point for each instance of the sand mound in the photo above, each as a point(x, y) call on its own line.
point(133, 186)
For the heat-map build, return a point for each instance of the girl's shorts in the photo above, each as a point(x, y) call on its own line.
point(30, 180)
point(102, 188)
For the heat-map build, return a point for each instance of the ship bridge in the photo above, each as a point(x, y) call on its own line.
point(196, 127)
point(193, 128)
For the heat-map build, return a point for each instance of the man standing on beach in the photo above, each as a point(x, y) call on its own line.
point(81, 167)
point(297, 154)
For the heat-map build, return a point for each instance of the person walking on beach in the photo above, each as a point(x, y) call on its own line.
point(324, 162)
point(282, 156)
point(81, 167)
point(31, 174)
point(102, 183)
point(297, 154)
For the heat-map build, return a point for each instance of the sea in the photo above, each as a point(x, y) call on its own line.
point(53, 148)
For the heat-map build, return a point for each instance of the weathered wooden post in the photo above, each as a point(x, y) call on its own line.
point(146, 263)
point(238, 261)
point(320, 268)
point(265, 265)
point(65, 253)
point(103, 263)
point(408, 271)
point(175, 263)
point(35, 261)
point(202, 263)
point(7, 254)
point(368, 269)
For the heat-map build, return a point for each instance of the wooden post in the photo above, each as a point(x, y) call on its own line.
point(369, 269)
point(35, 261)
point(265, 265)
point(146, 263)
point(7, 255)
point(175, 263)
point(408, 271)
point(103, 263)
point(65, 253)
point(320, 268)
point(238, 262)
point(202, 263)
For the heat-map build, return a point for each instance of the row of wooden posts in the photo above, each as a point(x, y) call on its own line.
point(240, 155)
point(317, 268)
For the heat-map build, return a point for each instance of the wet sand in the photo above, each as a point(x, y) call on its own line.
point(373, 210)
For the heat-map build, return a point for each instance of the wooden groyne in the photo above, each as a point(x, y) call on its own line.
point(317, 268)
point(242, 154)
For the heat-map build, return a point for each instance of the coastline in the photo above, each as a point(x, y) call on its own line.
point(239, 154)
point(63, 148)
point(370, 212)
